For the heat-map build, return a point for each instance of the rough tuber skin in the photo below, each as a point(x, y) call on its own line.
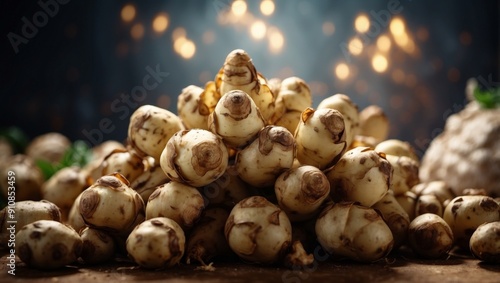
point(27, 212)
point(147, 182)
point(179, 202)
point(98, 246)
point(150, 128)
point(405, 174)
point(261, 162)
point(374, 123)
point(29, 178)
point(48, 244)
point(258, 231)
point(430, 236)
point(190, 108)
point(349, 230)
point(156, 243)
point(64, 187)
point(485, 242)
point(110, 204)
point(126, 162)
point(194, 157)
point(301, 191)
point(320, 137)
point(361, 175)
point(293, 97)
point(398, 148)
point(49, 147)
point(395, 217)
point(349, 111)
point(236, 119)
point(207, 241)
point(239, 72)
point(464, 214)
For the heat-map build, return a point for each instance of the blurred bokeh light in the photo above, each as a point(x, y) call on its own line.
point(412, 58)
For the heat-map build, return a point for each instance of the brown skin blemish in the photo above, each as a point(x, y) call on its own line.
point(173, 244)
point(238, 103)
point(111, 182)
point(55, 213)
point(488, 204)
point(271, 135)
point(89, 201)
point(274, 218)
point(334, 123)
point(59, 251)
point(371, 215)
point(256, 201)
point(35, 235)
point(157, 223)
point(155, 194)
point(314, 186)
point(207, 156)
point(455, 206)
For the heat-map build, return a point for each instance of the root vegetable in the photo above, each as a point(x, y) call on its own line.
point(373, 123)
point(195, 157)
point(156, 243)
point(207, 239)
point(364, 141)
point(298, 256)
point(485, 242)
point(150, 128)
point(440, 189)
point(429, 236)
point(28, 178)
point(428, 204)
point(465, 213)
point(93, 169)
point(147, 182)
point(301, 191)
point(49, 147)
point(236, 119)
point(408, 202)
point(64, 187)
point(258, 231)
point(48, 244)
point(227, 190)
point(395, 217)
point(111, 205)
point(353, 231)
point(98, 246)
point(272, 152)
point(125, 162)
point(294, 97)
point(179, 202)
point(398, 148)
point(239, 72)
point(191, 110)
point(75, 219)
point(320, 137)
point(349, 111)
point(362, 175)
point(275, 86)
point(26, 212)
point(405, 174)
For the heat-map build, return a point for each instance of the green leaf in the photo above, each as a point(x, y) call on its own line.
point(48, 169)
point(78, 154)
point(489, 98)
point(16, 137)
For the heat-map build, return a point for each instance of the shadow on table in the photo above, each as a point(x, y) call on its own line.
point(490, 266)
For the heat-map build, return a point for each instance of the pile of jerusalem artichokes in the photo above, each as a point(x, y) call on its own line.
point(247, 169)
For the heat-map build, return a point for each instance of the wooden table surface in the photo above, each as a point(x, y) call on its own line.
point(398, 267)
